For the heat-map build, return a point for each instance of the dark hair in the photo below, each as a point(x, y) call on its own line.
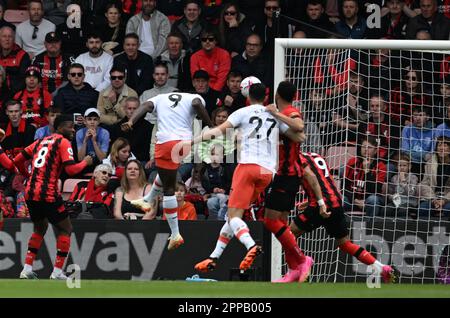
point(131, 36)
point(401, 156)
point(217, 111)
point(209, 31)
point(114, 4)
point(370, 139)
point(286, 90)
point(35, 1)
point(234, 73)
point(314, 2)
point(12, 102)
point(176, 34)
point(118, 68)
point(60, 119)
point(160, 63)
point(93, 34)
point(181, 184)
point(192, 1)
point(257, 92)
point(54, 109)
point(222, 25)
point(76, 65)
point(420, 109)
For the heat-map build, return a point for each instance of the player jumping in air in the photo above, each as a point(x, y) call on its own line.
point(48, 157)
point(175, 113)
point(257, 163)
point(333, 218)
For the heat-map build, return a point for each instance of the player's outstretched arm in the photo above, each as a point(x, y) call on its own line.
point(311, 178)
point(296, 136)
point(216, 132)
point(75, 168)
point(294, 122)
point(201, 112)
point(145, 107)
point(6, 163)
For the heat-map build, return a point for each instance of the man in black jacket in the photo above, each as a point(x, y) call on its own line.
point(430, 19)
point(139, 66)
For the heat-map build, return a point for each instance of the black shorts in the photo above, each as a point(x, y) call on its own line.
point(335, 225)
point(281, 193)
point(55, 212)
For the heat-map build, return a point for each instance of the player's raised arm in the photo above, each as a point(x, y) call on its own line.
point(216, 132)
point(311, 178)
point(145, 107)
point(201, 112)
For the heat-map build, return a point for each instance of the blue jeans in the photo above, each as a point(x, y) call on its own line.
point(217, 204)
point(372, 205)
point(427, 210)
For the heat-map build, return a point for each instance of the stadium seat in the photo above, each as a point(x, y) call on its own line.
point(16, 16)
point(68, 187)
point(338, 156)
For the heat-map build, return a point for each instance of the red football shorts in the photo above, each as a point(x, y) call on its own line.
point(249, 180)
point(169, 155)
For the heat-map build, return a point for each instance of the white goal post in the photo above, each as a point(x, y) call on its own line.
point(412, 246)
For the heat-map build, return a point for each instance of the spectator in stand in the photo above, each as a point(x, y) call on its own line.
point(2, 20)
point(178, 62)
point(14, 60)
point(142, 130)
point(97, 190)
point(267, 30)
point(92, 139)
point(74, 31)
point(352, 26)
point(30, 34)
point(152, 26)
point(232, 98)
point(252, 62)
point(18, 134)
point(4, 97)
point(393, 24)
point(112, 32)
point(430, 19)
point(186, 210)
point(131, 8)
point(97, 63)
point(112, 99)
point(34, 98)
point(252, 10)
point(233, 29)
point(94, 10)
point(52, 63)
point(55, 10)
point(173, 9)
point(138, 65)
point(410, 93)
point(383, 64)
point(200, 81)
point(119, 156)
point(364, 179)
point(318, 23)
point(77, 96)
point(52, 113)
point(215, 60)
point(386, 130)
point(134, 186)
point(435, 186)
point(417, 138)
point(402, 190)
point(217, 178)
point(190, 26)
point(224, 142)
point(442, 104)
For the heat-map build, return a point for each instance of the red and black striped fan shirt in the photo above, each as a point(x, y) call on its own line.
point(48, 155)
point(319, 167)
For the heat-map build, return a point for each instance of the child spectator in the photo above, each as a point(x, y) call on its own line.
point(417, 138)
point(186, 210)
point(402, 190)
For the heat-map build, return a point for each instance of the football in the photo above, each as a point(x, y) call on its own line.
point(246, 83)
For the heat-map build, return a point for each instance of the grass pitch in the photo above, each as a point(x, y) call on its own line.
point(182, 289)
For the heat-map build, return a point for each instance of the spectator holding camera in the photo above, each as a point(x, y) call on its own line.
point(119, 156)
point(92, 139)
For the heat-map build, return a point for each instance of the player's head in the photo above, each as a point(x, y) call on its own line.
point(64, 125)
point(286, 91)
point(257, 93)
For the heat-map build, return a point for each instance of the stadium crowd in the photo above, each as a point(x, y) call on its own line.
point(99, 60)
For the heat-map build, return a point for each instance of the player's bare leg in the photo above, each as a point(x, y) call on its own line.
point(241, 231)
point(276, 222)
point(34, 244)
point(170, 206)
point(62, 248)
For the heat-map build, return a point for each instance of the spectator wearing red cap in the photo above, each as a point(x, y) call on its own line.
point(34, 98)
point(53, 63)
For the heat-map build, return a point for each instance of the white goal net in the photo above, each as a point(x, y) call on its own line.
point(378, 111)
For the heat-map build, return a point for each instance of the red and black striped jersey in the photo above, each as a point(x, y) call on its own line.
point(288, 149)
point(35, 105)
point(48, 155)
point(53, 69)
point(319, 167)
